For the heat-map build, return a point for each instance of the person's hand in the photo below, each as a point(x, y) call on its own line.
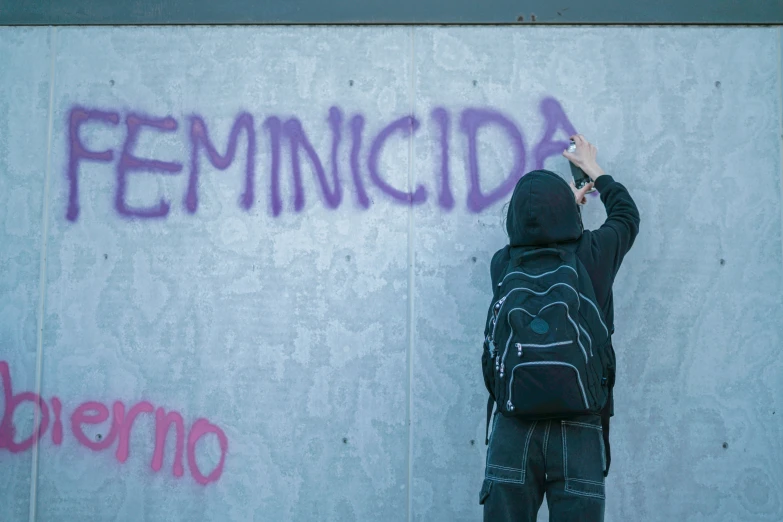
point(579, 194)
point(585, 157)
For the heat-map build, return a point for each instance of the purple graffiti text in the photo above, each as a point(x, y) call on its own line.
point(289, 134)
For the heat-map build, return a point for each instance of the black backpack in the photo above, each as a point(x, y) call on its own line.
point(547, 348)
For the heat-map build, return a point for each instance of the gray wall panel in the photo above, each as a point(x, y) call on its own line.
point(24, 110)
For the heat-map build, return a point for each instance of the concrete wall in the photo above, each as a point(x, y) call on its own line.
point(209, 343)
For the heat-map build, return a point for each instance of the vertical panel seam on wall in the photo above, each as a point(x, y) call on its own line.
point(411, 257)
point(42, 278)
point(780, 125)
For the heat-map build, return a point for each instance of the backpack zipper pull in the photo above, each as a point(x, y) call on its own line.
point(519, 349)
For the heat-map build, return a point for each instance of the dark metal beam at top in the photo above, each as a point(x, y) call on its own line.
point(155, 12)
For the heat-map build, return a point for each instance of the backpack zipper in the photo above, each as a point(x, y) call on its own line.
point(520, 346)
point(495, 315)
point(499, 304)
point(598, 312)
point(587, 335)
point(531, 276)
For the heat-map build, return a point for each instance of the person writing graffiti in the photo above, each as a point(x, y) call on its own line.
point(548, 359)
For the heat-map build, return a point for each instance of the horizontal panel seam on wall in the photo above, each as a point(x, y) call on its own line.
point(366, 24)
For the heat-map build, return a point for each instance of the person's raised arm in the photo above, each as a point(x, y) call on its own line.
point(616, 236)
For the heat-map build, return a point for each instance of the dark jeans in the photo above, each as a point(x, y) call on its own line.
point(526, 459)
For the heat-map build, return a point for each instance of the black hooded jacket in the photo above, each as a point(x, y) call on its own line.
point(543, 211)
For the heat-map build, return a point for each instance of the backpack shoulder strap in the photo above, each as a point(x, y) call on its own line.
point(490, 407)
point(499, 265)
point(498, 269)
point(605, 416)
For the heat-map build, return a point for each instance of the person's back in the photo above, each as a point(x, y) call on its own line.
point(565, 457)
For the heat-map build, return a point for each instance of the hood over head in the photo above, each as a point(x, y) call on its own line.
point(542, 211)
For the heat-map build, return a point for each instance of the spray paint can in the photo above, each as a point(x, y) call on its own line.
point(580, 178)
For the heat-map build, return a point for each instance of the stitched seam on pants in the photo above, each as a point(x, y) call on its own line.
point(505, 468)
point(584, 424)
point(527, 445)
point(510, 481)
point(587, 481)
point(577, 492)
point(546, 440)
point(565, 451)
